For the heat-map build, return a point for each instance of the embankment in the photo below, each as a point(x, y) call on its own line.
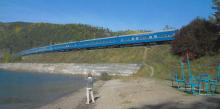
point(156, 61)
point(72, 68)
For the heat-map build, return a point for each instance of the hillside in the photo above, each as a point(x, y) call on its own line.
point(158, 57)
point(156, 61)
point(17, 36)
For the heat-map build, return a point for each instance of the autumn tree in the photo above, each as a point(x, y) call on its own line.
point(199, 38)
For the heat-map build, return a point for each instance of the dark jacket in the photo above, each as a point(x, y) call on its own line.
point(90, 82)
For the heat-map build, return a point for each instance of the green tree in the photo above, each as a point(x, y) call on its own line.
point(217, 8)
point(17, 36)
point(217, 17)
point(6, 57)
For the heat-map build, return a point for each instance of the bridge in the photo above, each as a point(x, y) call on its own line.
point(115, 41)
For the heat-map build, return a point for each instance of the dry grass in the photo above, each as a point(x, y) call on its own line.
point(159, 57)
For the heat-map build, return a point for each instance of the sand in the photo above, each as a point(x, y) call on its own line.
point(136, 94)
point(76, 100)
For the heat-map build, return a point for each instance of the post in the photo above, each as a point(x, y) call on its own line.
point(218, 73)
point(189, 68)
point(182, 70)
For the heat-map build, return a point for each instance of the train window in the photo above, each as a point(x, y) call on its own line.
point(132, 38)
point(142, 38)
point(150, 37)
point(137, 38)
point(146, 37)
point(129, 39)
point(155, 36)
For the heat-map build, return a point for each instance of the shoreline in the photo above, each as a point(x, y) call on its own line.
point(73, 68)
point(141, 93)
point(60, 97)
point(74, 100)
point(32, 90)
point(138, 93)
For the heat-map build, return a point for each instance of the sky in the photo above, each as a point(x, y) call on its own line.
point(113, 14)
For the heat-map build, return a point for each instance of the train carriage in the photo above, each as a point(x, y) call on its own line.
point(115, 41)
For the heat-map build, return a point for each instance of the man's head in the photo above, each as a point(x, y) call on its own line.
point(89, 74)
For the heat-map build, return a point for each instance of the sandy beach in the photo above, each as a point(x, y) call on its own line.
point(76, 100)
point(135, 94)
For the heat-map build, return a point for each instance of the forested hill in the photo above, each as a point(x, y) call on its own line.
point(18, 36)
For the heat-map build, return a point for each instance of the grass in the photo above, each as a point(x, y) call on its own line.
point(159, 57)
point(116, 55)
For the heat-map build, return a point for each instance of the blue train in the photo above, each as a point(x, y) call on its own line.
point(115, 41)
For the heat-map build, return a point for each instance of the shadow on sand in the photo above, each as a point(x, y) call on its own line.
point(206, 103)
point(82, 104)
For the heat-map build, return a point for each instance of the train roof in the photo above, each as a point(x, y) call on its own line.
point(125, 35)
point(107, 38)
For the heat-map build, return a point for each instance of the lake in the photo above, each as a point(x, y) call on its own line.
point(26, 90)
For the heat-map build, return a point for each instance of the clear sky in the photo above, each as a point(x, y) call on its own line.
point(112, 14)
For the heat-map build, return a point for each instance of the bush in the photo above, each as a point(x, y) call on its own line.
point(105, 77)
point(6, 57)
point(199, 38)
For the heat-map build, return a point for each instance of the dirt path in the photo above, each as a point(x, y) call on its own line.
point(149, 94)
point(147, 65)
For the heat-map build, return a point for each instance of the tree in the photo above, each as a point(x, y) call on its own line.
point(6, 57)
point(217, 16)
point(17, 36)
point(217, 8)
point(199, 38)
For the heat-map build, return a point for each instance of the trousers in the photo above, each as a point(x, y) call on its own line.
point(89, 92)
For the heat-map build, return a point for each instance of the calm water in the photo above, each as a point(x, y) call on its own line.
point(25, 90)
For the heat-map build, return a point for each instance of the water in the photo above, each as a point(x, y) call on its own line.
point(25, 90)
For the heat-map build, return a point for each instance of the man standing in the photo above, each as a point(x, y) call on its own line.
point(89, 89)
